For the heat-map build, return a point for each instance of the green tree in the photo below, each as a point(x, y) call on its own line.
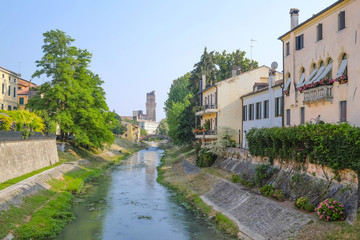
point(143, 132)
point(163, 128)
point(73, 97)
point(118, 127)
point(178, 91)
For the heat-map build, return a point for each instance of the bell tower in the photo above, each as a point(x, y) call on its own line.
point(151, 106)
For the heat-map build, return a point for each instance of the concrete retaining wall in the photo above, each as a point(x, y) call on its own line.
point(19, 157)
point(315, 182)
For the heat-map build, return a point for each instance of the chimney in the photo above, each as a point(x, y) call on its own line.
point(294, 17)
point(203, 79)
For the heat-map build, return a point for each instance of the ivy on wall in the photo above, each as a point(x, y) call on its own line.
point(333, 145)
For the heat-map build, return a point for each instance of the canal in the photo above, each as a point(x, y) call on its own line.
point(128, 203)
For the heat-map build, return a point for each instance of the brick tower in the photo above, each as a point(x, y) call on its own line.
point(151, 106)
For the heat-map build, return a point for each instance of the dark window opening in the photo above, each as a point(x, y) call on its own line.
point(319, 32)
point(299, 42)
point(341, 20)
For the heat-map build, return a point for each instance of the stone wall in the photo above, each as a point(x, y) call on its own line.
point(19, 157)
point(313, 181)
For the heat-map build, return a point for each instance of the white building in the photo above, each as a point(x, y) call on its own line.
point(149, 126)
point(263, 107)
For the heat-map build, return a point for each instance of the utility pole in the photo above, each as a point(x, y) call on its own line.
point(251, 47)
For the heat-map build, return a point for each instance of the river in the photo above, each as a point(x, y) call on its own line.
point(128, 203)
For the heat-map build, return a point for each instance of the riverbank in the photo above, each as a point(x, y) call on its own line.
point(255, 215)
point(43, 211)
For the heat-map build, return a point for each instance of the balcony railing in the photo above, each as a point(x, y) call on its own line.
point(206, 134)
point(201, 110)
point(319, 93)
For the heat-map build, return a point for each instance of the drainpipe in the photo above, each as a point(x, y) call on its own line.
point(282, 87)
point(242, 123)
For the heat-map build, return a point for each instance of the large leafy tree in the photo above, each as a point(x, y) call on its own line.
point(73, 97)
point(163, 127)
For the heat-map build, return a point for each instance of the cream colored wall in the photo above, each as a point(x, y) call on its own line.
point(209, 93)
point(229, 92)
point(4, 98)
point(132, 133)
point(211, 117)
point(333, 45)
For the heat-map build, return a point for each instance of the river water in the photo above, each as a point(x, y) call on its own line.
point(128, 203)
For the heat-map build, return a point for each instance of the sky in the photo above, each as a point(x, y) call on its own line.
point(141, 45)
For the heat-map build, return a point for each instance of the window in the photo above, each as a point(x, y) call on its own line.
point(288, 117)
point(14, 108)
point(287, 49)
point(14, 92)
point(258, 110)
point(251, 111)
point(21, 101)
point(3, 75)
point(319, 34)
point(277, 106)
point(2, 106)
point(244, 113)
point(9, 78)
point(266, 109)
point(9, 91)
point(343, 111)
point(302, 115)
point(341, 20)
point(299, 42)
point(3, 88)
point(9, 107)
point(14, 79)
point(343, 67)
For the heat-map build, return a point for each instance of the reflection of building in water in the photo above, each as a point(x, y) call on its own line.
point(150, 158)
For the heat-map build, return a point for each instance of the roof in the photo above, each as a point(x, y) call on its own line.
point(26, 83)
point(23, 91)
point(227, 79)
point(126, 117)
point(277, 84)
point(309, 19)
point(9, 71)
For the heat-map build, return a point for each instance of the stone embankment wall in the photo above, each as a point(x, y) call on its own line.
point(315, 182)
point(19, 156)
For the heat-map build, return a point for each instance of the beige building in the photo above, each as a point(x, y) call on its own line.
point(221, 105)
point(8, 89)
point(132, 132)
point(321, 64)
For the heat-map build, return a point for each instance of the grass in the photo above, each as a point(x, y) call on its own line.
point(13, 181)
point(43, 215)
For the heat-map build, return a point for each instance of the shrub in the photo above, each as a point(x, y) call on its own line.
point(205, 158)
point(309, 207)
point(330, 210)
point(279, 194)
point(262, 172)
point(267, 190)
point(301, 202)
point(235, 178)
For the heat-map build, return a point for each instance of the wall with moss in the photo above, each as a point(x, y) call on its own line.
point(297, 180)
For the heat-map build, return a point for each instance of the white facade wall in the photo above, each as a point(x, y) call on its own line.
point(272, 120)
point(149, 126)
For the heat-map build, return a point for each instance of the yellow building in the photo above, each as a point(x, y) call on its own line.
point(221, 105)
point(25, 91)
point(8, 89)
point(132, 132)
point(321, 66)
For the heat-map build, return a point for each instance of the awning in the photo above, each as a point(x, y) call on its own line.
point(321, 69)
point(287, 84)
point(302, 80)
point(324, 73)
point(342, 68)
point(309, 78)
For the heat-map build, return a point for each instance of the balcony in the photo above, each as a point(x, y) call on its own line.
point(206, 109)
point(208, 134)
point(321, 93)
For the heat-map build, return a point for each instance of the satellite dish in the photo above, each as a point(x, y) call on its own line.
point(274, 65)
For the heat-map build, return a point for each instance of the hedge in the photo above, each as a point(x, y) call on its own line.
point(334, 145)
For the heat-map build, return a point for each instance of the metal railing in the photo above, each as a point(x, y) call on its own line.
point(318, 93)
point(204, 107)
point(206, 132)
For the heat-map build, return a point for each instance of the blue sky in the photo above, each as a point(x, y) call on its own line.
point(140, 46)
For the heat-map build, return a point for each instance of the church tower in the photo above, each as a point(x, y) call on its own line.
point(151, 106)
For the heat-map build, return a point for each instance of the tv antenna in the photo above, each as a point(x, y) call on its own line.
point(251, 47)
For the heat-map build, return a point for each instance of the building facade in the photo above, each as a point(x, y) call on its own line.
point(132, 132)
point(8, 89)
point(149, 126)
point(221, 105)
point(150, 109)
point(321, 65)
point(262, 107)
point(25, 91)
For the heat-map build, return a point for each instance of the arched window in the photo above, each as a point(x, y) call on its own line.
point(302, 78)
point(343, 67)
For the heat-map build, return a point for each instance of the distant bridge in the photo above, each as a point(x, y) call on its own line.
point(146, 137)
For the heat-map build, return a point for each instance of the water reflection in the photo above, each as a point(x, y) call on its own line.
point(137, 207)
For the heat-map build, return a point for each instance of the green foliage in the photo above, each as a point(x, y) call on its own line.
point(334, 145)
point(19, 120)
point(262, 172)
point(143, 132)
point(235, 178)
point(163, 128)
point(309, 207)
point(267, 190)
point(73, 97)
point(330, 210)
point(279, 195)
point(226, 225)
point(205, 158)
point(118, 128)
point(301, 202)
